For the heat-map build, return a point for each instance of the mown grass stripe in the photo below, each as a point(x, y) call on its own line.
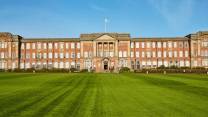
point(36, 96)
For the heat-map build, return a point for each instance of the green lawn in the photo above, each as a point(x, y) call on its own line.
point(117, 95)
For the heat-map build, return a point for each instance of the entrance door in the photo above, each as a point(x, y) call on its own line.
point(105, 65)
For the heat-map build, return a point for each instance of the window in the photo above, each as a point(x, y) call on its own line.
point(153, 44)
point(67, 65)
point(90, 54)
point(86, 54)
point(22, 46)
point(143, 63)
point(87, 64)
point(55, 64)
point(56, 55)
point(72, 46)
point(148, 54)
point(61, 45)
point(180, 44)
point(44, 55)
point(137, 64)
point(159, 54)
point(61, 65)
point(111, 54)
point(72, 55)
point(124, 54)
point(132, 44)
point(153, 54)
point(27, 55)
point(166, 63)
point(27, 65)
point(2, 54)
point(186, 44)
point(67, 45)
point(33, 46)
point(181, 63)
point(170, 54)
point(164, 44)
point(5, 45)
point(39, 45)
point(78, 45)
point(143, 54)
point(175, 54)
point(56, 45)
point(1, 47)
point(50, 46)
point(123, 63)
point(50, 55)
point(159, 44)
point(205, 44)
point(154, 63)
point(33, 55)
point(28, 46)
point(2, 44)
point(148, 44)
point(186, 53)
point(175, 44)
point(187, 63)
point(22, 66)
point(39, 55)
point(132, 54)
point(44, 46)
point(164, 54)
point(137, 44)
point(142, 44)
point(22, 56)
point(61, 55)
point(78, 55)
point(132, 64)
point(169, 44)
point(149, 63)
point(181, 54)
point(137, 54)
point(67, 55)
point(72, 64)
point(160, 63)
point(120, 53)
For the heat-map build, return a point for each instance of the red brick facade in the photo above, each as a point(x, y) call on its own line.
point(103, 52)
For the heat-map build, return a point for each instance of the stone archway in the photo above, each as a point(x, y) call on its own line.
point(105, 64)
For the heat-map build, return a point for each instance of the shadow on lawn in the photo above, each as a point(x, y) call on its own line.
point(171, 84)
point(189, 77)
point(6, 76)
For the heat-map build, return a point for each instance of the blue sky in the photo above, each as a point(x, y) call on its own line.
point(69, 18)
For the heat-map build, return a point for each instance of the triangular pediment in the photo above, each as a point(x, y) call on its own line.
point(105, 38)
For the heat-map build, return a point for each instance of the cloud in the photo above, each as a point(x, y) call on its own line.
point(97, 8)
point(177, 13)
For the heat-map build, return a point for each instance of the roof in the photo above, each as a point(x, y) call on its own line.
point(49, 39)
point(159, 38)
point(93, 36)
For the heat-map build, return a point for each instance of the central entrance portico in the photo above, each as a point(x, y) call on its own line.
point(104, 49)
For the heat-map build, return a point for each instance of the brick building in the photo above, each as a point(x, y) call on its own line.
point(103, 51)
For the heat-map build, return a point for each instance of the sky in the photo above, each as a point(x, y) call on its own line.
point(70, 18)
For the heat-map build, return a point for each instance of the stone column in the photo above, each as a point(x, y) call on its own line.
point(102, 49)
point(94, 49)
point(116, 49)
point(108, 48)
